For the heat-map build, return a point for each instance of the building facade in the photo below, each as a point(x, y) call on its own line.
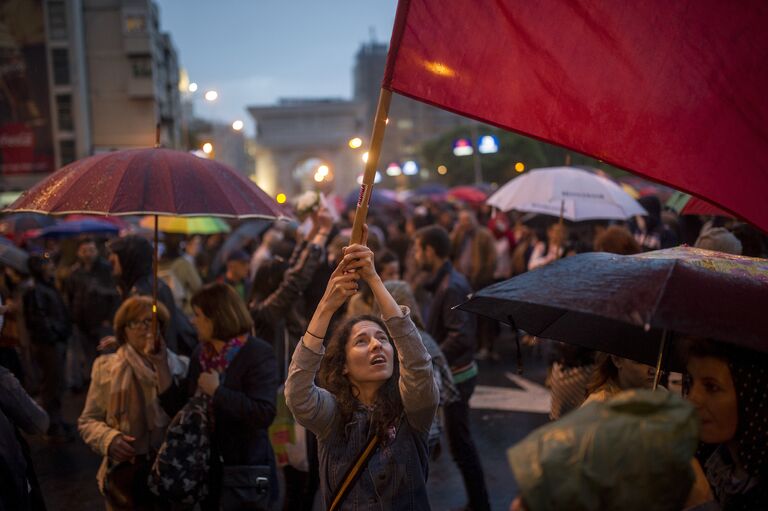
point(295, 137)
point(101, 76)
point(294, 132)
point(411, 123)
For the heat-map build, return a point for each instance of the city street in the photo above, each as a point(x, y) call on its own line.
point(67, 471)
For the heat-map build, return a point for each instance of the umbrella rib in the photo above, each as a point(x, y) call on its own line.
point(551, 323)
point(117, 189)
point(216, 182)
point(661, 294)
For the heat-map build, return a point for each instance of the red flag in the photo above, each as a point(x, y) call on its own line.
point(673, 91)
point(696, 206)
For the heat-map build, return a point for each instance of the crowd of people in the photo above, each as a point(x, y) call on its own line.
point(364, 346)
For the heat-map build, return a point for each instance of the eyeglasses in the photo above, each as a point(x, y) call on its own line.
point(136, 323)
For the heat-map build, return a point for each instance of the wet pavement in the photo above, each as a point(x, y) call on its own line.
point(67, 472)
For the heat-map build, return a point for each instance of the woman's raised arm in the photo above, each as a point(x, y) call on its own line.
point(313, 407)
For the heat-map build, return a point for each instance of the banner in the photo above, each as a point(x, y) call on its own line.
point(26, 140)
point(672, 91)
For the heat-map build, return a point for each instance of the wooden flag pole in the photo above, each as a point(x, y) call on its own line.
point(374, 151)
point(155, 262)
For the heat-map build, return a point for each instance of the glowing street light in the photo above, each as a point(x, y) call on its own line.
point(211, 95)
point(442, 170)
point(463, 147)
point(355, 143)
point(192, 87)
point(281, 198)
point(323, 170)
point(410, 168)
point(207, 148)
point(238, 125)
point(519, 167)
point(394, 170)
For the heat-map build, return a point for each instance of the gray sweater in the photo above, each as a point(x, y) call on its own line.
point(395, 478)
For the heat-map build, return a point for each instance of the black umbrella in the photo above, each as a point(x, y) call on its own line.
point(237, 239)
point(14, 257)
point(623, 304)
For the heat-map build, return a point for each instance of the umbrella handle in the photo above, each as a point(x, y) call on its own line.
point(155, 326)
point(517, 344)
point(660, 358)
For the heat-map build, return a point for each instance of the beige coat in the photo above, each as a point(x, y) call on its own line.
point(96, 432)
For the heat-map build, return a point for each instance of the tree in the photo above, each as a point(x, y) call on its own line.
point(498, 167)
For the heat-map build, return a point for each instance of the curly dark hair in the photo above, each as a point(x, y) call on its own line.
point(388, 406)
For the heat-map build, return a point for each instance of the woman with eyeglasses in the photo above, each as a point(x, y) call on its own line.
point(122, 419)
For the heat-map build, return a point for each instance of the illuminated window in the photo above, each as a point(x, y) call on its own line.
point(135, 23)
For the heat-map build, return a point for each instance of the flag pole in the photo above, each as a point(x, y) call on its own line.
point(374, 151)
point(155, 262)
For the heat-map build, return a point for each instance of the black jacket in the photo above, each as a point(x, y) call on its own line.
point(244, 407)
point(47, 318)
point(135, 256)
point(92, 296)
point(276, 312)
point(453, 329)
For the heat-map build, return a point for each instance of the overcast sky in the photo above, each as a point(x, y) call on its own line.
point(255, 51)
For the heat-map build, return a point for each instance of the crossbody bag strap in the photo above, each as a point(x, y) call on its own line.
point(353, 473)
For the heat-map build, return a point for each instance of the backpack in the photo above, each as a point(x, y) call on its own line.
point(180, 470)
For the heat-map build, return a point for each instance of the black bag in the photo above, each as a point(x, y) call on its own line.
point(125, 484)
point(180, 471)
point(245, 487)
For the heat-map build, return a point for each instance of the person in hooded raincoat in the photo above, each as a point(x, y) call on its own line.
point(131, 259)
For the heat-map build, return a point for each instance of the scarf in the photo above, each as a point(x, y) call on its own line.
point(133, 406)
point(749, 370)
point(210, 360)
point(750, 377)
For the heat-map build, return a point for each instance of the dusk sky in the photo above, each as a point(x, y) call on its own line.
point(255, 51)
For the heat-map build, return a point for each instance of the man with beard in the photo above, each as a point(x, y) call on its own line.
point(454, 331)
point(92, 298)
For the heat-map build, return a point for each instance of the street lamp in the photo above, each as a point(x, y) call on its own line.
point(323, 173)
point(192, 87)
point(355, 143)
point(207, 148)
point(519, 167)
point(211, 95)
point(487, 144)
point(238, 125)
point(281, 198)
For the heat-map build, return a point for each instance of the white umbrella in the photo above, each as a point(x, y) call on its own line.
point(575, 194)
